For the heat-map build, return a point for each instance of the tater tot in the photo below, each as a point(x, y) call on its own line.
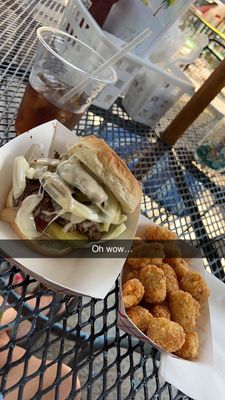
point(155, 232)
point(171, 249)
point(184, 309)
point(146, 253)
point(154, 281)
point(136, 241)
point(130, 273)
point(193, 283)
point(179, 265)
point(133, 292)
point(171, 278)
point(167, 334)
point(160, 311)
point(140, 317)
point(189, 350)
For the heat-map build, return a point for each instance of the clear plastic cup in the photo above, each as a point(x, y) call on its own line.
point(61, 63)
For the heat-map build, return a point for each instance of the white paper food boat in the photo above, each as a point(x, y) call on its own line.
point(205, 355)
point(86, 276)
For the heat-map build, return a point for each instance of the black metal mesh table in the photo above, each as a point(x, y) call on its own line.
point(177, 193)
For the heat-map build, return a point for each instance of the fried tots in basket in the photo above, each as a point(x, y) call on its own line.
point(140, 317)
point(154, 282)
point(146, 253)
point(160, 310)
point(133, 292)
point(167, 334)
point(156, 232)
point(179, 265)
point(184, 309)
point(130, 273)
point(193, 283)
point(171, 278)
point(189, 350)
point(171, 249)
point(163, 298)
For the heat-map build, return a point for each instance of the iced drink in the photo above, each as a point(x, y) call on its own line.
point(35, 110)
point(61, 64)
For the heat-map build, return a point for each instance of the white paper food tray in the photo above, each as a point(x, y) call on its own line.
point(205, 355)
point(86, 276)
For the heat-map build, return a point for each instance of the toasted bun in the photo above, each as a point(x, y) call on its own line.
point(40, 248)
point(110, 169)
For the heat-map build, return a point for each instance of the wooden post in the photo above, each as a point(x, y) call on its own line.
point(201, 99)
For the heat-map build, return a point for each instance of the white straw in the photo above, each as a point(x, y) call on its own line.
point(111, 61)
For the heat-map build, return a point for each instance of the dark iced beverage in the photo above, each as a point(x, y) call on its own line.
point(62, 83)
point(35, 110)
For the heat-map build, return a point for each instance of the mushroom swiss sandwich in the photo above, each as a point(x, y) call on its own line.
point(83, 194)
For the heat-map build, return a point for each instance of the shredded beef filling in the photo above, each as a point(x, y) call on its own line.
point(88, 228)
point(32, 187)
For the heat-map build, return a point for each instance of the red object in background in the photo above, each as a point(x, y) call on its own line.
point(100, 9)
point(205, 9)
